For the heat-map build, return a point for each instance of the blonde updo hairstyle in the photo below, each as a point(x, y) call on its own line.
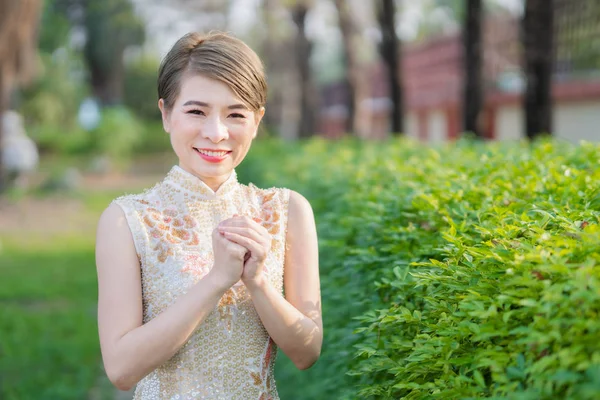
point(216, 56)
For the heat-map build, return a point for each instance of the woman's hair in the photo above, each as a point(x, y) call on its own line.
point(216, 56)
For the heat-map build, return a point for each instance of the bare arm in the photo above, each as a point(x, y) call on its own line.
point(130, 349)
point(294, 322)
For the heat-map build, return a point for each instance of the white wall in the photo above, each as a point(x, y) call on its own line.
point(573, 121)
point(438, 127)
point(578, 121)
point(411, 125)
point(509, 123)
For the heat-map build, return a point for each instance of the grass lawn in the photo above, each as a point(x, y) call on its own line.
point(49, 345)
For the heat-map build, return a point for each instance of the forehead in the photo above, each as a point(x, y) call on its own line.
point(201, 88)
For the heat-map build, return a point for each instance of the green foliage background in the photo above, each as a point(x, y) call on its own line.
point(451, 272)
point(460, 272)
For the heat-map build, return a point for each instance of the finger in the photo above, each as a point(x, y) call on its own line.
point(235, 249)
point(244, 231)
point(229, 245)
point(231, 220)
point(257, 250)
point(244, 221)
point(264, 241)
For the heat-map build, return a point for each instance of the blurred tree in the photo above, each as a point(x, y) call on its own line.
point(356, 81)
point(201, 15)
point(308, 95)
point(577, 38)
point(538, 45)
point(111, 26)
point(391, 53)
point(140, 93)
point(269, 55)
point(19, 21)
point(55, 25)
point(436, 11)
point(447, 16)
point(278, 53)
point(472, 60)
point(51, 103)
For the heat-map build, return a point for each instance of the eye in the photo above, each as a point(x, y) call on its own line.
point(237, 115)
point(196, 112)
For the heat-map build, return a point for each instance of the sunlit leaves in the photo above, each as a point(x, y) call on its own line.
point(465, 271)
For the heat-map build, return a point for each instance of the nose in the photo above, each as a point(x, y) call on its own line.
point(215, 130)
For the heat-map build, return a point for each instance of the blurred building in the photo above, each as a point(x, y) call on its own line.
point(433, 83)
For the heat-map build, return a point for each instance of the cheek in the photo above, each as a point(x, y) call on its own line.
point(182, 134)
point(183, 129)
point(242, 136)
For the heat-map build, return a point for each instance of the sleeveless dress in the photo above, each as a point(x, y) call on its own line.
point(230, 354)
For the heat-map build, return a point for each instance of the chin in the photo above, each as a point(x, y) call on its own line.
point(208, 170)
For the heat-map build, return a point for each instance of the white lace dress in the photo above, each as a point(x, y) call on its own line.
point(230, 355)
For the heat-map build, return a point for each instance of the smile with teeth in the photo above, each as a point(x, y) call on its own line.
point(213, 153)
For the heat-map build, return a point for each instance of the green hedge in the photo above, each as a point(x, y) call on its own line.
point(464, 271)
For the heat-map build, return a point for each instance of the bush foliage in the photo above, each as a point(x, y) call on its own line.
point(466, 271)
point(139, 91)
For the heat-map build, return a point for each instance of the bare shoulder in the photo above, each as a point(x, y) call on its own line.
point(112, 216)
point(112, 223)
point(114, 239)
point(113, 220)
point(299, 207)
point(301, 221)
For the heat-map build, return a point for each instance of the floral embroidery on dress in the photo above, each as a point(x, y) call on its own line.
point(170, 227)
point(228, 305)
point(260, 376)
point(163, 251)
point(269, 215)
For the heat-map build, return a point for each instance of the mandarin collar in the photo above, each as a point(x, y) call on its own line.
point(194, 186)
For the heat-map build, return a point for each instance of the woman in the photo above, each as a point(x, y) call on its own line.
point(191, 272)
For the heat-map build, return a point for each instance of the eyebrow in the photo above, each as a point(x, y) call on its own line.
point(203, 104)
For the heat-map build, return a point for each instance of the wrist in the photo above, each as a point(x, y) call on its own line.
point(257, 283)
point(220, 284)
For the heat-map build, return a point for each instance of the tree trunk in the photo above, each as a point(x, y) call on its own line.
point(107, 85)
point(392, 56)
point(347, 28)
point(307, 92)
point(18, 46)
point(473, 83)
point(355, 77)
point(272, 117)
point(111, 26)
point(3, 90)
point(279, 53)
point(538, 38)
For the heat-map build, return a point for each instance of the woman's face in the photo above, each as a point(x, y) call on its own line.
point(211, 129)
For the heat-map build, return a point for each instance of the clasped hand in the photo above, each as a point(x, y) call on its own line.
point(240, 246)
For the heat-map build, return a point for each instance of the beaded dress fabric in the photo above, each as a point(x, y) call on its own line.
point(230, 354)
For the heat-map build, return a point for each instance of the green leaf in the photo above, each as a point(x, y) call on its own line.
point(479, 378)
